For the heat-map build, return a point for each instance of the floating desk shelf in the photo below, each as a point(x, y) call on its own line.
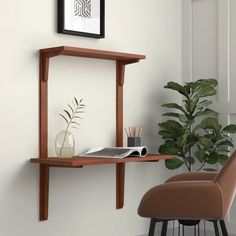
point(46, 162)
point(88, 161)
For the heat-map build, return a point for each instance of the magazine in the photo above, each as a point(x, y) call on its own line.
point(116, 152)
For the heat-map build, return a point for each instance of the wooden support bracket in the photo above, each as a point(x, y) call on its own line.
point(44, 65)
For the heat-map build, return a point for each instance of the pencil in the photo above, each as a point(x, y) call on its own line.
point(135, 131)
point(139, 132)
point(130, 133)
point(126, 132)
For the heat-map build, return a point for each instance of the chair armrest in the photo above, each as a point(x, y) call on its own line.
point(183, 200)
point(192, 176)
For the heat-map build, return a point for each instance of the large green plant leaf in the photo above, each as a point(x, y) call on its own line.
point(167, 135)
point(187, 87)
point(174, 163)
point(175, 106)
point(204, 87)
point(172, 127)
point(172, 114)
point(196, 85)
point(225, 143)
point(222, 159)
point(181, 117)
point(192, 86)
point(169, 148)
point(177, 87)
point(211, 82)
point(206, 143)
point(181, 141)
point(192, 140)
point(229, 129)
point(200, 154)
point(191, 104)
point(222, 150)
point(203, 104)
point(209, 123)
point(212, 158)
point(207, 111)
point(205, 90)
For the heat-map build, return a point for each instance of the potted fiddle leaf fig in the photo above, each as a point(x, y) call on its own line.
point(193, 133)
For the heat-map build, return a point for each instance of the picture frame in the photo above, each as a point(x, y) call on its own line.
point(82, 18)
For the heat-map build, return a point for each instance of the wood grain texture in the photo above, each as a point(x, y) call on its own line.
point(43, 192)
point(120, 185)
point(92, 53)
point(43, 138)
point(120, 71)
point(43, 107)
point(88, 161)
point(120, 167)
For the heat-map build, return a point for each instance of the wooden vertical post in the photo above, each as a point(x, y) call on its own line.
point(120, 167)
point(43, 138)
point(44, 192)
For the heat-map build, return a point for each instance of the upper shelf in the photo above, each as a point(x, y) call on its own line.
point(121, 58)
point(92, 53)
point(85, 161)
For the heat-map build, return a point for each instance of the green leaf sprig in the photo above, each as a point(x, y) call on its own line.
point(71, 116)
point(72, 113)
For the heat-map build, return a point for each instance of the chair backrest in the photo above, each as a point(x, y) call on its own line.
point(226, 179)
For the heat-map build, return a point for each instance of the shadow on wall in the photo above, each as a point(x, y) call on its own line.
point(17, 197)
point(152, 118)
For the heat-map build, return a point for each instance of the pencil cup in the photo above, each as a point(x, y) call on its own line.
point(134, 141)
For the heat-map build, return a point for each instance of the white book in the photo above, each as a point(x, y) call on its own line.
point(116, 152)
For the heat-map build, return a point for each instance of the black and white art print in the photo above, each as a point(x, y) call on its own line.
point(82, 17)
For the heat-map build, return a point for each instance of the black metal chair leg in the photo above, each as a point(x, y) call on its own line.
point(223, 228)
point(204, 228)
point(173, 229)
point(164, 228)
point(152, 227)
point(215, 222)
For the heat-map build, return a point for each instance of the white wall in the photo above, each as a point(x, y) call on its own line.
point(82, 201)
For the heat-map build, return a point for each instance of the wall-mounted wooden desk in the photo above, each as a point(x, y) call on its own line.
point(45, 162)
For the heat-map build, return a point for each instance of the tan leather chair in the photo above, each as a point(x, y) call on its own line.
point(192, 197)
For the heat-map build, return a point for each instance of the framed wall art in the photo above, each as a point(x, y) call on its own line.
point(82, 17)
